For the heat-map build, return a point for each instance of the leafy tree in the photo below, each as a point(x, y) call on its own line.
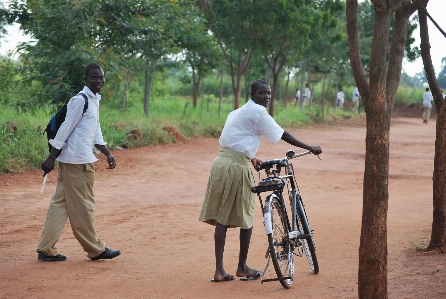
point(3, 22)
point(366, 21)
point(199, 48)
point(378, 94)
point(328, 43)
point(144, 30)
point(8, 70)
point(56, 57)
point(237, 25)
point(420, 79)
point(442, 74)
point(438, 235)
point(289, 24)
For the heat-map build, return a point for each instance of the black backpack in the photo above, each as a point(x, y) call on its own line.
point(57, 119)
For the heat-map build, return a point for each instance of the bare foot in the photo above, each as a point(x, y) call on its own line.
point(224, 277)
point(246, 272)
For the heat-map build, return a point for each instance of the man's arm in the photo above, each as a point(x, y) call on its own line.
point(110, 159)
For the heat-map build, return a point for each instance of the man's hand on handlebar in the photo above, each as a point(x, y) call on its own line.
point(316, 149)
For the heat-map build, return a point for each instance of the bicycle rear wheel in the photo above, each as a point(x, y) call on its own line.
point(279, 246)
point(307, 243)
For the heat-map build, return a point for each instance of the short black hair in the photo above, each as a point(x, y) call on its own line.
point(256, 84)
point(427, 88)
point(91, 66)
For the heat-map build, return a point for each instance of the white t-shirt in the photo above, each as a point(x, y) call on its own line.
point(245, 126)
point(355, 95)
point(341, 96)
point(427, 99)
point(79, 133)
point(307, 93)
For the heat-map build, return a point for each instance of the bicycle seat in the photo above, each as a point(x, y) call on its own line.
point(268, 184)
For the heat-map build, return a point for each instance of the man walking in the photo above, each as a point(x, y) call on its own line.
point(74, 198)
point(427, 105)
point(355, 100)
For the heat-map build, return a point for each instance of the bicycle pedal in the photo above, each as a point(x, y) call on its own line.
point(304, 236)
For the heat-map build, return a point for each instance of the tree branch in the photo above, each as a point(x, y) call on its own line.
point(353, 49)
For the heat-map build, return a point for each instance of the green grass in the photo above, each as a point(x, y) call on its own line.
point(24, 146)
point(420, 246)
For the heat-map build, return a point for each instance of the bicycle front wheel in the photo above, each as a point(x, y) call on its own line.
point(279, 245)
point(307, 243)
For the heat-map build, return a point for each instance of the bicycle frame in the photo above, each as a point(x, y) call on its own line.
point(293, 238)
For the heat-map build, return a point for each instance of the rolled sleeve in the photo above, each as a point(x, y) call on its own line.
point(99, 139)
point(75, 109)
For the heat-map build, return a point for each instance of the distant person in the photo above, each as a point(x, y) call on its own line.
point(306, 96)
point(74, 198)
point(229, 202)
point(297, 97)
point(355, 100)
point(427, 105)
point(340, 97)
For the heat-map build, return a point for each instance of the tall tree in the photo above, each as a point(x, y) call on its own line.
point(56, 57)
point(378, 94)
point(199, 49)
point(438, 235)
point(328, 44)
point(3, 22)
point(289, 24)
point(237, 25)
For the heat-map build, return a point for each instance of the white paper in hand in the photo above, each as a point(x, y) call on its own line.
point(44, 182)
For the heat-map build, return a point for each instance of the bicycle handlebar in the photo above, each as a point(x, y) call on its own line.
point(290, 154)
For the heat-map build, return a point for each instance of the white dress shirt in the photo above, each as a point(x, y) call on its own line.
point(341, 96)
point(427, 99)
point(245, 126)
point(79, 133)
point(355, 95)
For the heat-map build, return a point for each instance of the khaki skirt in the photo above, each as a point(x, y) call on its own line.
point(229, 200)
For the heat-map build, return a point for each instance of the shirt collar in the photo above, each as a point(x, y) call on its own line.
point(91, 94)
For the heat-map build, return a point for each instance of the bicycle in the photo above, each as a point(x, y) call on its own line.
point(285, 237)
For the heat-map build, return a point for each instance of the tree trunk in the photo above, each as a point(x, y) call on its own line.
point(243, 62)
point(275, 65)
point(273, 94)
point(378, 97)
point(286, 87)
point(221, 91)
point(323, 95)
point(124, 93)
point(302, 86)
point(438, 235)
point(148, 84)
point(195, 88)
point(202, 99)
point(310, 99)
point(247, 87)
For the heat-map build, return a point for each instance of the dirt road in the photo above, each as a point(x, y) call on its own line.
point(149, 206)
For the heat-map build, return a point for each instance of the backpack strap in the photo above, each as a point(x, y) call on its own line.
point(86, 101)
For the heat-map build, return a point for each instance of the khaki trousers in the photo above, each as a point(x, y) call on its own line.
point(73, 199)
point(355, 106)
point(426, 113)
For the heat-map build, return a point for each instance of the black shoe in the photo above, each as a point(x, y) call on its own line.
point(107, 254)
point(48, 258)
